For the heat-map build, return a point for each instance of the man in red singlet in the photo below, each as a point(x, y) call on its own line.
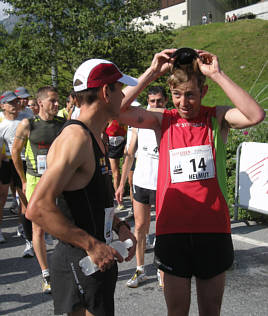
point(193, 236)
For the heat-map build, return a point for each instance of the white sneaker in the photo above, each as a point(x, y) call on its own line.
point(130, 214)
point(2, 238)
point(48, 239)
point(20, 231)
point(28, 251)
point(46, 286)
point(160, 282)
point(138, 277)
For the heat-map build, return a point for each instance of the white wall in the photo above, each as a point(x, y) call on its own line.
point(172, 14)
point(259, 9)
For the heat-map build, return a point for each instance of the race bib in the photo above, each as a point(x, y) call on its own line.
point(41, 163)
point(108, 225)
point(191, 163)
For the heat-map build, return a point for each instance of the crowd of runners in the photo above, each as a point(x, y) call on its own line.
point(62, 165)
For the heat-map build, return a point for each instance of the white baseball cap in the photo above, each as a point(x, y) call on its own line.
point(94, 73)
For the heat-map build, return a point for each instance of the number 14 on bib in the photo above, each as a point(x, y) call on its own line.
point(191, 163)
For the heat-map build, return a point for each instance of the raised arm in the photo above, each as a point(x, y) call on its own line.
point(139, 117)
point(247, 111)
point(159, 66)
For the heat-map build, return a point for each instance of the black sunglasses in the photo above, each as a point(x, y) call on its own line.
point(184, 56)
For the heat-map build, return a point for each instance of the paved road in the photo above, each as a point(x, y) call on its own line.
point(246, 290)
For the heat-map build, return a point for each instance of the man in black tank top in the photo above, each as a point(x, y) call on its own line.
point(78, 170)
point(37, 134)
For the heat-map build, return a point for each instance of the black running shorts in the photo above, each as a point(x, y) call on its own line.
point(5, 173)
point(14, 175)
point(201, 255)
point(116, 152)
point(72, 290)
point(144, 196)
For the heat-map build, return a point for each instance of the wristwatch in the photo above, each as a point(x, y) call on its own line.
point(121, 223)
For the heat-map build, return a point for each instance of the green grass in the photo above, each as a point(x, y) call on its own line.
point(243, 43)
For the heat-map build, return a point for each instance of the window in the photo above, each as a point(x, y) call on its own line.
point(165, 17)
point(183, 12)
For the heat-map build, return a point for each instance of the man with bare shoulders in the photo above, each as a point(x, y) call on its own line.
point(193, 234)
point(78, 168)
point(36, 134)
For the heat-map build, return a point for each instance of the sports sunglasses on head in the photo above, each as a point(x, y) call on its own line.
point(184, 56)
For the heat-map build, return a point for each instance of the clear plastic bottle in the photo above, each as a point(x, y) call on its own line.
point(89, 267)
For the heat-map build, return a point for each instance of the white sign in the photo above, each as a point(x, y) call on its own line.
point(253, 176)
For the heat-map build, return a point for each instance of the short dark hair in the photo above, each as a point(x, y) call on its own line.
point(43, 91)
point(156, 90)
point(90, 95)
point(186, 73)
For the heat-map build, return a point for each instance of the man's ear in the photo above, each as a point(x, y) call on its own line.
point(105, 93)
point(39, 102)
point(204, 91)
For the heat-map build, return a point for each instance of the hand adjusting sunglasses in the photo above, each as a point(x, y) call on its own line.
point(184, 56)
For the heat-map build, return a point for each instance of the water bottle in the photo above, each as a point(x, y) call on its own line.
point(89, 267)
point(122, 247)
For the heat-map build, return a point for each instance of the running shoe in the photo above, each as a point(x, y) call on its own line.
point(28, 251)
point(20, 231)
point(160, 282)
point(48, 239)
point(138, 277)
point(2, 238)
point(120, 207)
point(46, 287)
point(15, 209)
point(130, 214)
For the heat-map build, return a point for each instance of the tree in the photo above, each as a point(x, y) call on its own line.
point(63, 33)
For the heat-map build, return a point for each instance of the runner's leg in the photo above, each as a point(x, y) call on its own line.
point(142, 223)
point(209, 295)
point(177, 293)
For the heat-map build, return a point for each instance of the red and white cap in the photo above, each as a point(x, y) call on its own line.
point(94, 73)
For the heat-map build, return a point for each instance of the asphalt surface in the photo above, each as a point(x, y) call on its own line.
point(246, 291)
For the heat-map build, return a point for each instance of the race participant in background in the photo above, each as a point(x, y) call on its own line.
point(33, 105)
point(65, 112)
point(193, 233)
point(37, 134)
point(78, 168)
point(130, 214)
point(117, 141)
point(23, 96)
point(5, 177)
point(143, 142)
point(8, 128)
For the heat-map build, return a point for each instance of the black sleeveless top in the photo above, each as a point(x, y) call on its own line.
point(42, 134)
point(87, 205)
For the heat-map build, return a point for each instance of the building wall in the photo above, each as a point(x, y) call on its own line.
point(186, 13)
point(259, 9)
point(177, 15)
